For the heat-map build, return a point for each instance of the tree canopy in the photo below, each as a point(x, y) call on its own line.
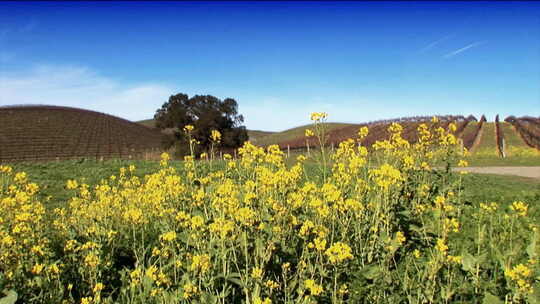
point(205, 113)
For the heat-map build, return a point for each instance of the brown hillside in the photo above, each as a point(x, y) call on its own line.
point(377, 131)
point(52, 132)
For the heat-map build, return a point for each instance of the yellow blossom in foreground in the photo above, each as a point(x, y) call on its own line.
point(168, 236)
point(521, 275)
point(520, 208)
point(441, 246)
point(400, 237)
point(189, 290)
point(215, 136)
point(258, 300)
point(343, 289)
point(314, 288)
point(338, 252)
point(271, 284)
point(71, 184)
point(454, 259)
point(200, 263)
point(489, 207)
point(98, 287)
point(37, 269)
point(386, 176)
point(86, 300)
point(256, 273)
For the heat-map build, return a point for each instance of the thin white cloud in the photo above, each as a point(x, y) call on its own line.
point(463, 49)
point(83, 88)
point(434, 43)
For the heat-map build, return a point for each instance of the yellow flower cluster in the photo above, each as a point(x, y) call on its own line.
point(201, 263)
point(314, 288)
point(338, 253)
point(386, 176)
point(521, 275)
point(520, 208)
point(215, 136)
point(318, 116)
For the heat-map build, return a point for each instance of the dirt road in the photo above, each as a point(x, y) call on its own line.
point(533, 172)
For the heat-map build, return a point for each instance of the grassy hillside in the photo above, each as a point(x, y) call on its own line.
point(488, 142)
point(514, 144)
point(517, 152)
point(291, 134)
point(255, 135)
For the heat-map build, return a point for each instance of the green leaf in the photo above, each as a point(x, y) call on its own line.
point(531, 249)
point(468, 262)
point(236, 281)
point(491, 299)
point(10, 298)
point(371, 272)
point(534, 297)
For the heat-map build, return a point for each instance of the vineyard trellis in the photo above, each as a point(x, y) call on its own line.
point(528, 128)
point(34, 133)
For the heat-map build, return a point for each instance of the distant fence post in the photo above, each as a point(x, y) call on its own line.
point(288, 151)
point(503, 148)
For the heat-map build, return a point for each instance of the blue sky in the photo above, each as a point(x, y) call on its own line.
point(358, 61)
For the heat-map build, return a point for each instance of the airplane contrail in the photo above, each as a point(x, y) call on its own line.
point(463, 49)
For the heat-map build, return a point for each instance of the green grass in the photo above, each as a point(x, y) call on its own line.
point(503, 189)
point(52, 177)
point(488, 142)
point(511, 136)
point(294, 133)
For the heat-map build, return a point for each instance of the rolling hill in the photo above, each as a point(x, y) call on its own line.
point(51, 132)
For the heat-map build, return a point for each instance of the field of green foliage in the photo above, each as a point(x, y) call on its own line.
point(388, 225)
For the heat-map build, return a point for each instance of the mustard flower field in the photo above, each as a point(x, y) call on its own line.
point(380, 224)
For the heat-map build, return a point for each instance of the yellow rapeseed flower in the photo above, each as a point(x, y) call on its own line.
point(200, 263)
point(314, 288)
point(339, 252)
point(520, 208)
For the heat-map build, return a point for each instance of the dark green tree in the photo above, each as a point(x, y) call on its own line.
point(205, 113)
